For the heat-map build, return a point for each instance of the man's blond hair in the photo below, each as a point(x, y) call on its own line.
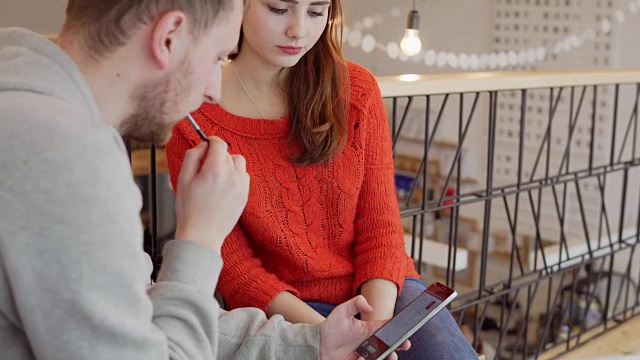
point(105, 25)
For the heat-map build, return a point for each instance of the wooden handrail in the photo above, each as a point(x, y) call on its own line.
point(415, 85)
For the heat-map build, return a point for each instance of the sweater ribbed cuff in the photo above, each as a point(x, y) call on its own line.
point(191, 264)
point(260, 294)
point(381, 265)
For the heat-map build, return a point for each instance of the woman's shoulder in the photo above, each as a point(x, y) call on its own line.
point(360, 76)
point(363, 85)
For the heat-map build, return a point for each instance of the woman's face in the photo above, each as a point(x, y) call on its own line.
point(282, 31)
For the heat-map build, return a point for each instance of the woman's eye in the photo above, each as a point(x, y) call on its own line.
point(315, 14)
point(278, 11)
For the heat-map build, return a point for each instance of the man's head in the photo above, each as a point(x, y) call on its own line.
point(167, 53)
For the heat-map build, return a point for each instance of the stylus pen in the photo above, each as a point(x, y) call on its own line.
point(197, 128)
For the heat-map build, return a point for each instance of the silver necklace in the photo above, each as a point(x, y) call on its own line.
point(280, 115)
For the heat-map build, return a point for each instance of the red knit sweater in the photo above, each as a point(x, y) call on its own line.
point(317, 231)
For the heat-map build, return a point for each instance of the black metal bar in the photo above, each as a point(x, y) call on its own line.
point(547, 136)
point(565, 187)
point(572, 129)
point(533, 185)
point(514, 248)
point(482, 318)
point(608, 298)
point(634, 115)
point(456, 158)
point(594, 115)
point(155, 251)
point(623, 204)
point(537, 221)
point(510, 190)
point(453, 230)
point(635, 130)
point(523, 333)
point(638, 241)
point(471, 299)
point(584, 219)
point(127, 144)
point(504, 328)
point(405, 115)
point(414, 238)
point(421, 244)
point(414, 226)
point(394, 116)
point(549, 130)
point(429, 141)
point(628, 277)
point(523, 116)
point(451, 269)
point(536, 217)
point(547, 326)
point(616, 103)
point(574, 283)
point(561, 218)
point(394, 120)
point(590, 296)
point(425, 158)
point(603, 211)
point(425, 176)
point(493, 98)
point(530, 295)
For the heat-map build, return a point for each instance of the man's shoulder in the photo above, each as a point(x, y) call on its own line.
point(38, 130)
point(27, 115)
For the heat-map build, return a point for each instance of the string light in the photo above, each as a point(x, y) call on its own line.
point(493, 60)
point(411, 43)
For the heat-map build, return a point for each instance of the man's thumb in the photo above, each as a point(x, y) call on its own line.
point(357, 305)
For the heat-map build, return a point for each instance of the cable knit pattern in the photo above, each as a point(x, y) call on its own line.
point(318, 231)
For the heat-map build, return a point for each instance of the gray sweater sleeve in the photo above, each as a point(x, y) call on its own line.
point(72, 265)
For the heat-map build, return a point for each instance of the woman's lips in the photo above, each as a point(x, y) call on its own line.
point(291, 50)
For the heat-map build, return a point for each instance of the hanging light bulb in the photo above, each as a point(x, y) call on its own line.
point(411, 44)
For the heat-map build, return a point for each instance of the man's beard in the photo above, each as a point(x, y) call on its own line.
point(154, 117)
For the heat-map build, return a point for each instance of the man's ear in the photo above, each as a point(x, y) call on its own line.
point(168, 38)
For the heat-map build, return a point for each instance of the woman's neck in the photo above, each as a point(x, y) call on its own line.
point(254, 88)
point(256, 73)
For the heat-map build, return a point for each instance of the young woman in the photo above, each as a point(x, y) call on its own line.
point(322, 221)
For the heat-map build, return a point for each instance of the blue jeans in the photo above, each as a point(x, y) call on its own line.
point(438, 339)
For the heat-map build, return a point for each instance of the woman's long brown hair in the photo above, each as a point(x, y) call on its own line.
point(318, 95)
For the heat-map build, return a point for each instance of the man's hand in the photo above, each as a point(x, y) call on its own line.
point(341, 333)
point(213, 187)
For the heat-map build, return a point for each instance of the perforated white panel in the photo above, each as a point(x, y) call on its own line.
point(523, 24)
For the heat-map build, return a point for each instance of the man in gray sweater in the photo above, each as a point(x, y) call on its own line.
point(73, 276)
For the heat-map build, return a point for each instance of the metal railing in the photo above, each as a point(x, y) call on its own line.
point(539, 189)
